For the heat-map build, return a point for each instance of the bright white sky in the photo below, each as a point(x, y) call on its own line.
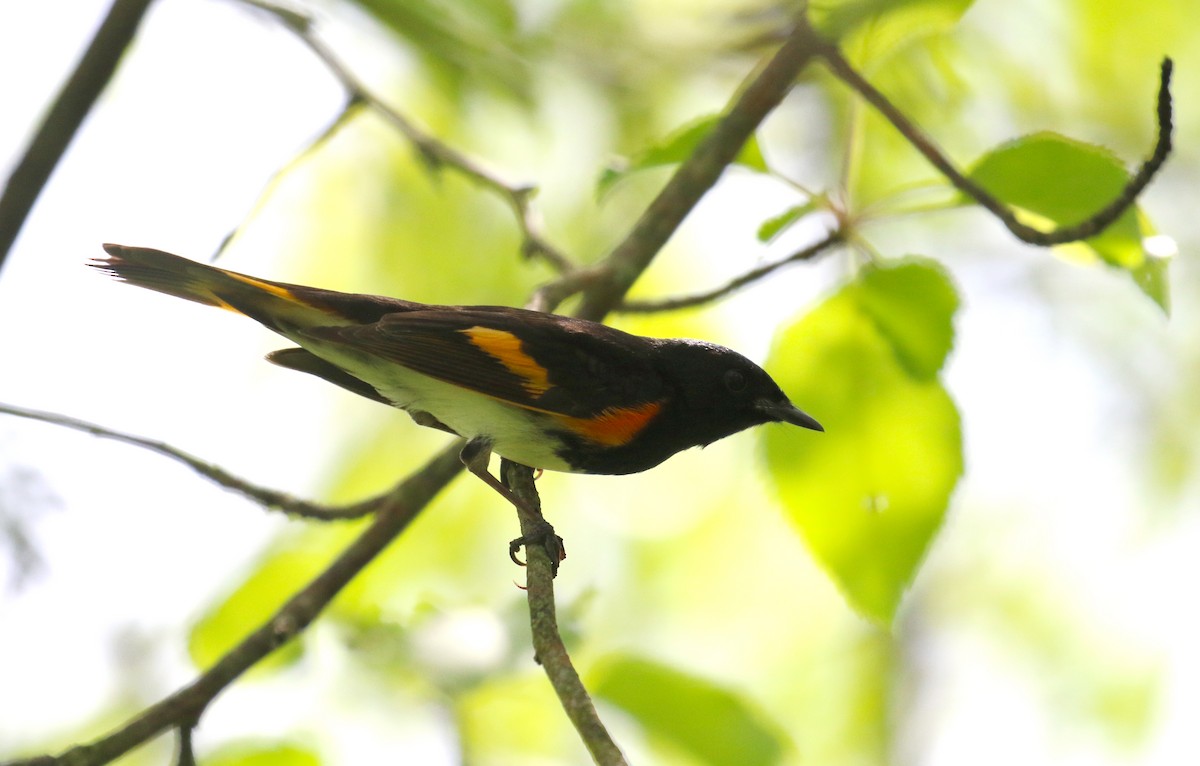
point(210, 104)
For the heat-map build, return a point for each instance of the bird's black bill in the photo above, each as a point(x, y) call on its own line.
point(786, 412)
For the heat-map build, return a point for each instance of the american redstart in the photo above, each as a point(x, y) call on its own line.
point(543, 390)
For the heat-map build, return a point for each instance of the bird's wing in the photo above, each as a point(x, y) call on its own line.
point(543, 362)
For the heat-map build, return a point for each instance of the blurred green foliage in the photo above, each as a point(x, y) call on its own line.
point(873, 31)
point(461, 43)
point(244, 754)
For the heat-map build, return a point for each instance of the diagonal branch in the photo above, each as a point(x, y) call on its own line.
point(1089, 227)
point(435, 153)
point(733, 285)
point(184, 708)
point(696, 175)
point(268, 498)
point(60, 124)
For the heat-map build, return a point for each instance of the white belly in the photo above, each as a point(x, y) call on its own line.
point(517, 434)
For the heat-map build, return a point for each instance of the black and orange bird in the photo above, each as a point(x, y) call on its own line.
point(543, 390)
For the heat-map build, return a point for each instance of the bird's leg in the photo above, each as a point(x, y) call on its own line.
point(475, 456)
point(519, 480)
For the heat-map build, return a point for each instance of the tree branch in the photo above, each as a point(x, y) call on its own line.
point(183, 708)
point(435, 153)
point(66, 114)
point(733, 285)
point(696, 175)
point(548, 645)
point(1089, 227)
point(268, 498)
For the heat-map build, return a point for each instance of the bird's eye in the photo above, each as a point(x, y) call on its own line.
point(735, 381)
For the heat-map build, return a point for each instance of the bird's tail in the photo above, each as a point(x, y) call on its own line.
point(277, 305)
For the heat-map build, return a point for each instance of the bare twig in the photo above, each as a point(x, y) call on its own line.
point(1089, 227)
point(434, 152)
point(184, 707)
point(61, 123)
point(330, 130)
point(733, 285)
point(268, 498)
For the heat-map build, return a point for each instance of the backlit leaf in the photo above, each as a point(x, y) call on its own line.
point(1064, 181)
point(869, 494)
point(777, 224)
point(911, 304)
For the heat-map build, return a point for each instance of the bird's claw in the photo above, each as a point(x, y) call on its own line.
point(547, 538)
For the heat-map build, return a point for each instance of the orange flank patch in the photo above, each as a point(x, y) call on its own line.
point(614, 426)
point(506, 349)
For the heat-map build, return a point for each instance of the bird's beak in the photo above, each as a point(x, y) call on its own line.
point(786, 412)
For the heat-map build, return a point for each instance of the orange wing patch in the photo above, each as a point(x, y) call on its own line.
point(506, 348)
point(614, 426)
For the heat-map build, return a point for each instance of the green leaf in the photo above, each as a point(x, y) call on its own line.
point(911, 304)
point(1151, 277)
point(869, 494)
point(255, 754)
point(676, 148)
point(771, 228)
point(710, 723)
point(1063, 181)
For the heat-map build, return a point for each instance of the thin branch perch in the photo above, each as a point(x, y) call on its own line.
point(548, 645)
point(604, 285)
